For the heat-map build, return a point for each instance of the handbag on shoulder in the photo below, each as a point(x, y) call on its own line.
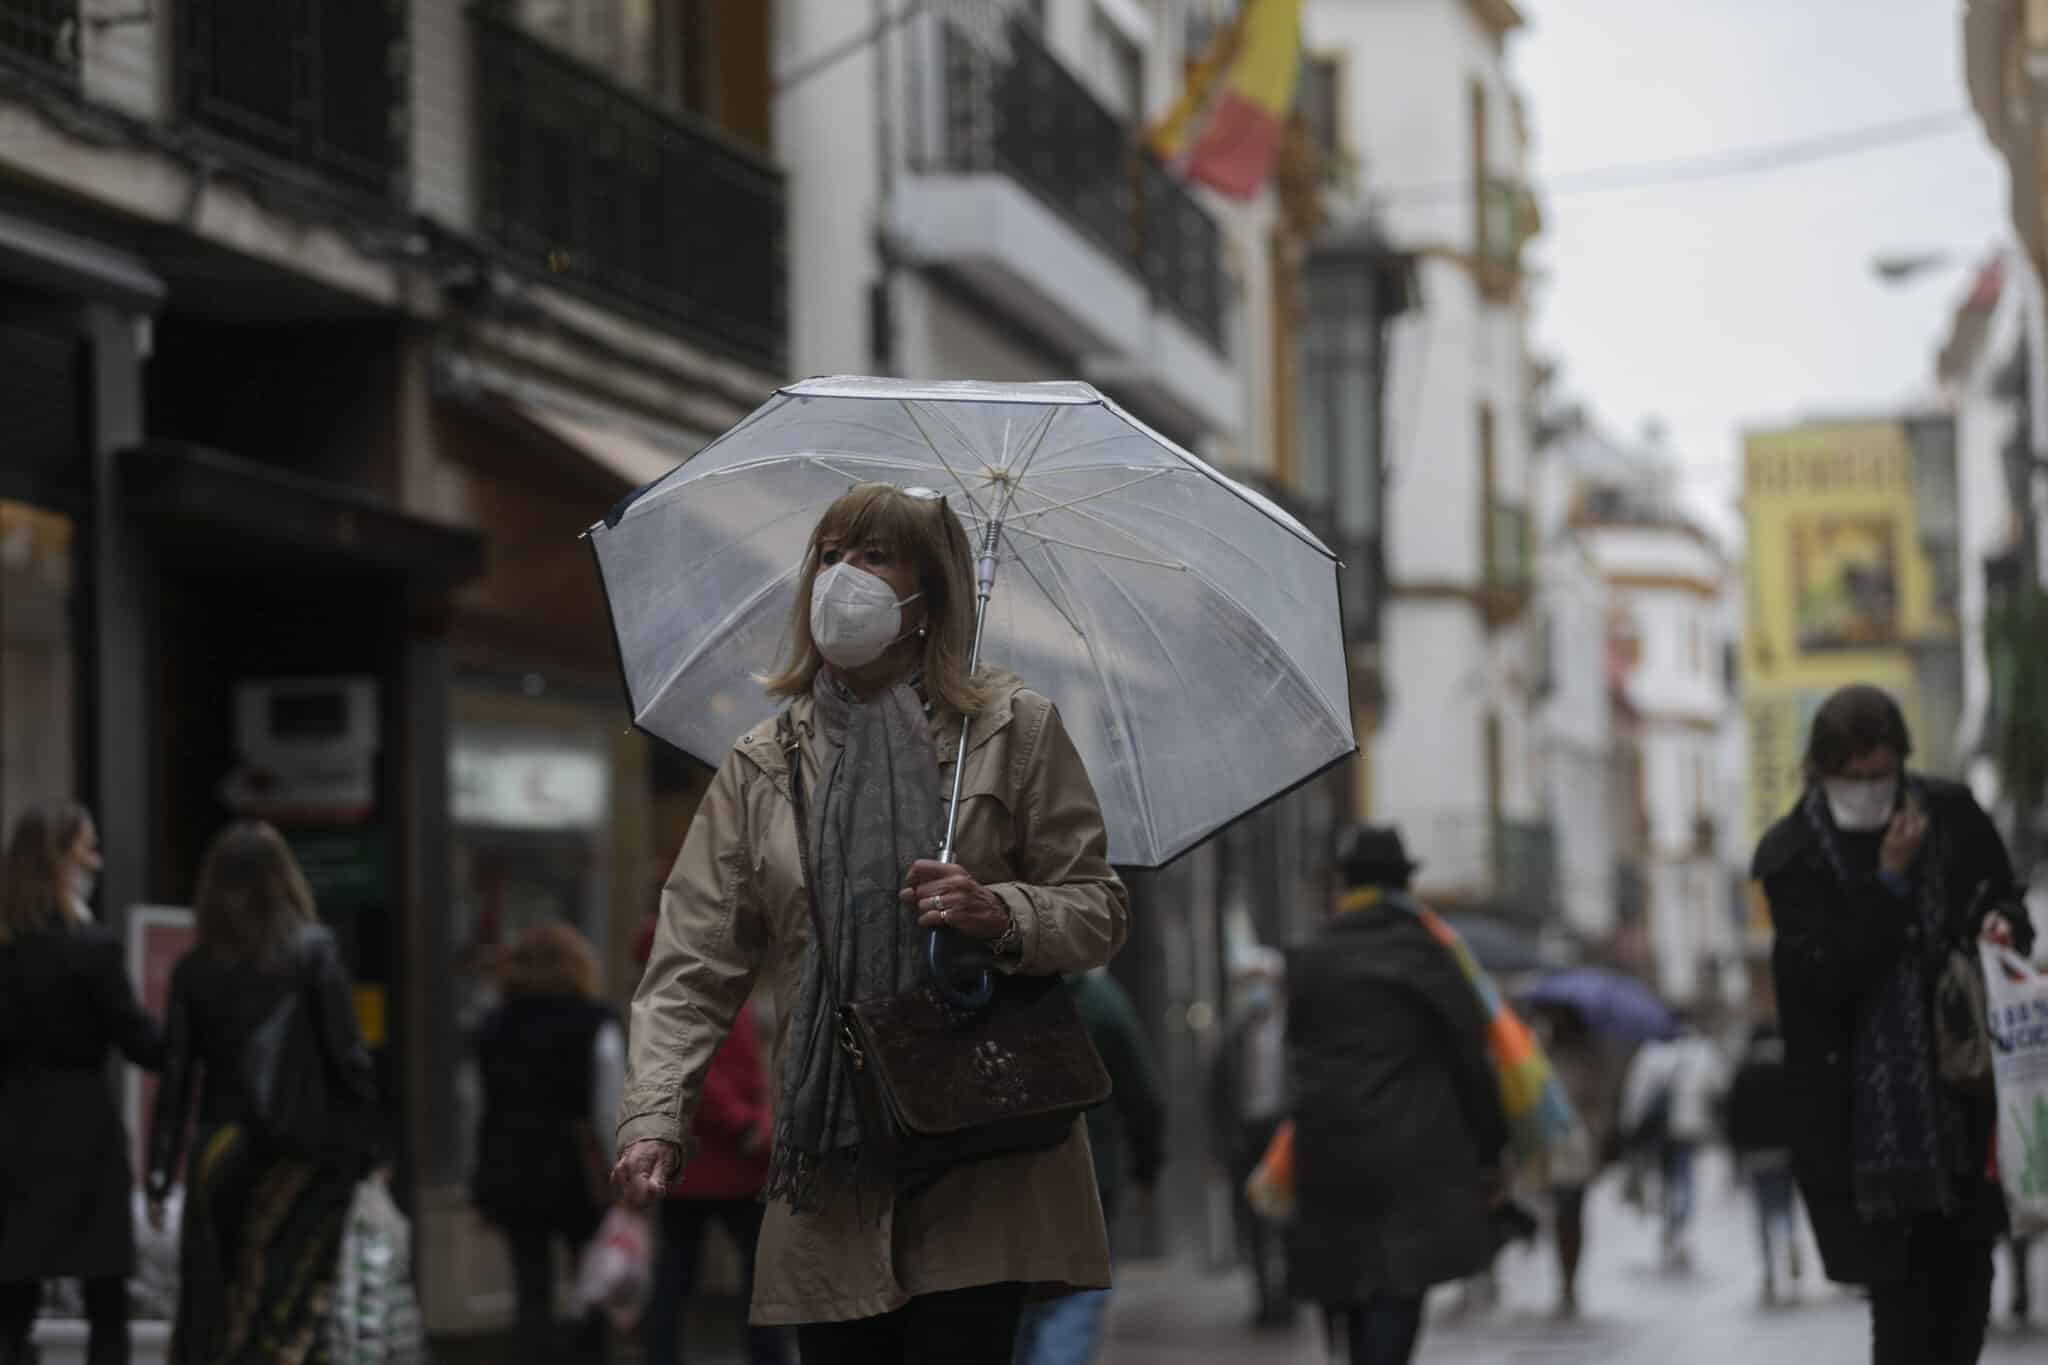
point(938, 1084)
point(297, 1102)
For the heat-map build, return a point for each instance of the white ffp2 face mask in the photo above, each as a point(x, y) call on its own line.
point(855, 616)
point(1860, 807)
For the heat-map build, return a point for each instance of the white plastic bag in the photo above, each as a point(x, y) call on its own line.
point(153, 1289)
point(376, 1319)
point(2017, 997)
point(617, 1269)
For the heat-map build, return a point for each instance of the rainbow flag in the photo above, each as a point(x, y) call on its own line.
point(1225, 132)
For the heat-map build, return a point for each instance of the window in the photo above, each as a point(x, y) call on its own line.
point(37, 678)
point(618, 37)
point(1319, 100)
point(1481, 175)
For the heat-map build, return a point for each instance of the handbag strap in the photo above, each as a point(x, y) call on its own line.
point(793, 757)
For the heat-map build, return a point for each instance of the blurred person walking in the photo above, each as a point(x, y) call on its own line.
point(65, 1003)
point(1873, 880)
point(1588, 1068)
point(551, 1057)
point(1400, 1134)
point(1127, 1138)
point(1247, 1104)
point(722, 1185)
point(878, 680)
point(262, 1027)
point(1668, 1102)
point(1760, 1135)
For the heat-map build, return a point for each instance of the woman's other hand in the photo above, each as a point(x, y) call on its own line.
point(943, 894)
point(1902, 839)
point(644, 1171)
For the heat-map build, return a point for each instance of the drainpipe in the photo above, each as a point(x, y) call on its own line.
point(881, 291)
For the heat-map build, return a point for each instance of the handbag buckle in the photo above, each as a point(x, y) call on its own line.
point(852, 1046)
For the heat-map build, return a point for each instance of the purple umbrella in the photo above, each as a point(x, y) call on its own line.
point(1613, 1004)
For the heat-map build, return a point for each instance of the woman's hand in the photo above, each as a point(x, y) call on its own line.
point(943, 894)
point(157, 1217)
point(1998, 930)
point(1902, 839)
point(644, 1171)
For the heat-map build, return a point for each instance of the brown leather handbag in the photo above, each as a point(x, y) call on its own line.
point(938, 1082)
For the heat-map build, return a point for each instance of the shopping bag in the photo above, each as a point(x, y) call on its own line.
point(2016, 998)
point(617, 1269)
point(376, 1316)
point(1269, 1189)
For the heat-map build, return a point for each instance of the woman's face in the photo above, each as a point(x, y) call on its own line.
point(1875, 766)
point(885, 563)
point(84, 853)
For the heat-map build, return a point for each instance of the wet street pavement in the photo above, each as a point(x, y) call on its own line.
point(1634, 1311)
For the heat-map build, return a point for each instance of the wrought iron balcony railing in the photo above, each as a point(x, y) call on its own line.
point(40, 36)
point(1032, 119)
point(315, 84)
point(642, 206)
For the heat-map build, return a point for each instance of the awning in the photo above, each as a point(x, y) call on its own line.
point(212, 510)
point(632, 457)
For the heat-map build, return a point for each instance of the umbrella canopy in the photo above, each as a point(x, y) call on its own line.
point(1501, 948)
point(1188, 629)
point(1616, 1005)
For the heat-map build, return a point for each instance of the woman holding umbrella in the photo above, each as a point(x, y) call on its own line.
point(877, 674)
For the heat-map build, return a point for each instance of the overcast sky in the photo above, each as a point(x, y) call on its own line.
point(1720, 306)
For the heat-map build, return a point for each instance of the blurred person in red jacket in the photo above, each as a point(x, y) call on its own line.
point(722, 1183)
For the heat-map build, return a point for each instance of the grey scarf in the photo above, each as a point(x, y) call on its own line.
point(877, 808)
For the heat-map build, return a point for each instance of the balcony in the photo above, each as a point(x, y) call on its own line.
point(315, 87)
point(641, 207)
point(1026, 188)
point(40, 37)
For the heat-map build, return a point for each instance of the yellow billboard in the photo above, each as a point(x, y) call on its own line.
point(1836, 586)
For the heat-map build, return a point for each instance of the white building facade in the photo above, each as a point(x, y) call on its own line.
point(1428, 106)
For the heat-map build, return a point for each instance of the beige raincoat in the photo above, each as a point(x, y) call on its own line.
point(735, 907)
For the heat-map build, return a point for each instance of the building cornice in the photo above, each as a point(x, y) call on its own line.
point(1499, 16)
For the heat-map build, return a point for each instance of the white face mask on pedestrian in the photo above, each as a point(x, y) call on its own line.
point(855, 616)
point(1860, 807)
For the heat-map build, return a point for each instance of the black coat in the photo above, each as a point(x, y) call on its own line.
point(65, 1180)
point(536, 1151)
point(1833, 944)
point(217, 1007)
point(1397, 1111)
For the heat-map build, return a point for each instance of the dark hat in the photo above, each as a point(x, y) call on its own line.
point(1372, 855)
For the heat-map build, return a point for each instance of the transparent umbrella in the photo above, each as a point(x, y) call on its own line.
point(1186, 627)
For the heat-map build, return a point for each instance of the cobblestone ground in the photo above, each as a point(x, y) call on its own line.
point(1634, 1312)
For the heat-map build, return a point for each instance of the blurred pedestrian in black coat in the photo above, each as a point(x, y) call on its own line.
point(65, 1004)
point(1872, 879)
point(1399, 1130)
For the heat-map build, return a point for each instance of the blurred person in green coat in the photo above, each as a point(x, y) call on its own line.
point(1127, 1137)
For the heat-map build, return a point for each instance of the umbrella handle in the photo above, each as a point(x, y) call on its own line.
point(947, 950)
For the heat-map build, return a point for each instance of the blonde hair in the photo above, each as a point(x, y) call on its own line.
point(252, 897)
point(550, 958)
point(33, 896)
point(927, 533)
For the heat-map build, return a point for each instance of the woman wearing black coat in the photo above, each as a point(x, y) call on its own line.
point(266, 1194)
point(1399, 1130)
point(1872, 879)
point(65, 1003)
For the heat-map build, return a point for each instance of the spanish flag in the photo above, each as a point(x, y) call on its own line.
point(1227, 128)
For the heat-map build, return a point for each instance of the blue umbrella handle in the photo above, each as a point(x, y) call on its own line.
point(947, 952)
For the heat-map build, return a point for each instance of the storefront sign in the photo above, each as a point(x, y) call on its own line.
point(517, 783)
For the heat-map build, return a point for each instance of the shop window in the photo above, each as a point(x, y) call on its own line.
point(37, 676)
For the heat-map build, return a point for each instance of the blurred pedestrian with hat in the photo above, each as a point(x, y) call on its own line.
point(1400, 1132)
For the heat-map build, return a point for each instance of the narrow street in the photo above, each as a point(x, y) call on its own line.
point(1634, 1312)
